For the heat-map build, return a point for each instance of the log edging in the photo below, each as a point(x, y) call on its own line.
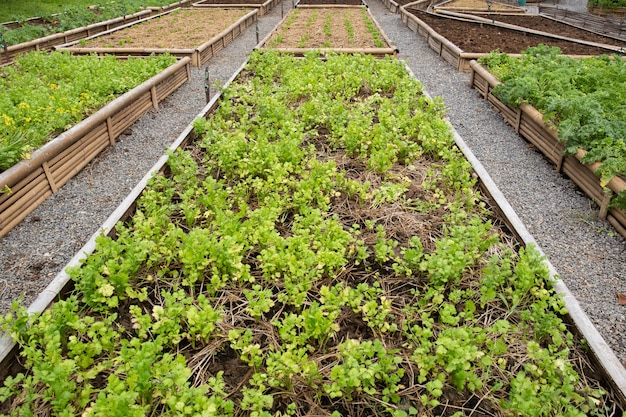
point(529, 123)
point(33, 180)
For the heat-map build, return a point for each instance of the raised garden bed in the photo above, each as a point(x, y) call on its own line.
point(27, 184)
point(197, 33)
point(330, 266)
point(459, 41)
point(350, 29)
point(264, 6)
point(547, 25)
point(530, 124)
point(49, 42)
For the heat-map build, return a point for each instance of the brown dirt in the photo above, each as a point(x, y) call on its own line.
point(484, 38)
point(550, 26)
point(306, 30)
point(184, 28)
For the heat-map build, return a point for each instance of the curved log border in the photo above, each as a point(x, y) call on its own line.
point(529, 123)
point(601, 354)
point(33, 180)
point(198, 55)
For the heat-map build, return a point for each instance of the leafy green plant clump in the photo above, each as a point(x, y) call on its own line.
point(583, 98)
point(608, 4)
point(68, 17)
point(45, 94)
point(321, 249)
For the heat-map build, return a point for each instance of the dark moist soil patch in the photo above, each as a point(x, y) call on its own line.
point(551, 26)
point(484, 38)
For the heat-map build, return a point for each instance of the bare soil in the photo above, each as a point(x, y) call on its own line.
point(483, 38)
point(305, 28)
point(186, 28)
point(551, 26)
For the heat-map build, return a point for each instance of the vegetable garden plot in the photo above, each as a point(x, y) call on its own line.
point(54, 118)
point(560, 105)
point(19, 42)
point(320, 249)
point(197, 33)
point(341, 28)
point(543, 24)
point(459, 41)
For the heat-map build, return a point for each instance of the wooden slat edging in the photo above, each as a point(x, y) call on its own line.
point(110, 132)
point(46, 170)
point(129, 107)
point(155, 99)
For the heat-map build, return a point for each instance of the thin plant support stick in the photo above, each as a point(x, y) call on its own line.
point(207, 88)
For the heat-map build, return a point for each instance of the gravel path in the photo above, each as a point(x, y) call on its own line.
point(589, 256)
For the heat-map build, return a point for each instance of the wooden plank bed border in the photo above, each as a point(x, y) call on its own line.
point(529, 123)
point(33, 180)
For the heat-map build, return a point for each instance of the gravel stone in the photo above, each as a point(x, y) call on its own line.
point(587, 253)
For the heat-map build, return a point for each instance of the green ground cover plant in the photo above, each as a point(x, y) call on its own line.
point(320, 249)
point(61, 17)
point(609, 4)
point(45, 94)
point(583, 98)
